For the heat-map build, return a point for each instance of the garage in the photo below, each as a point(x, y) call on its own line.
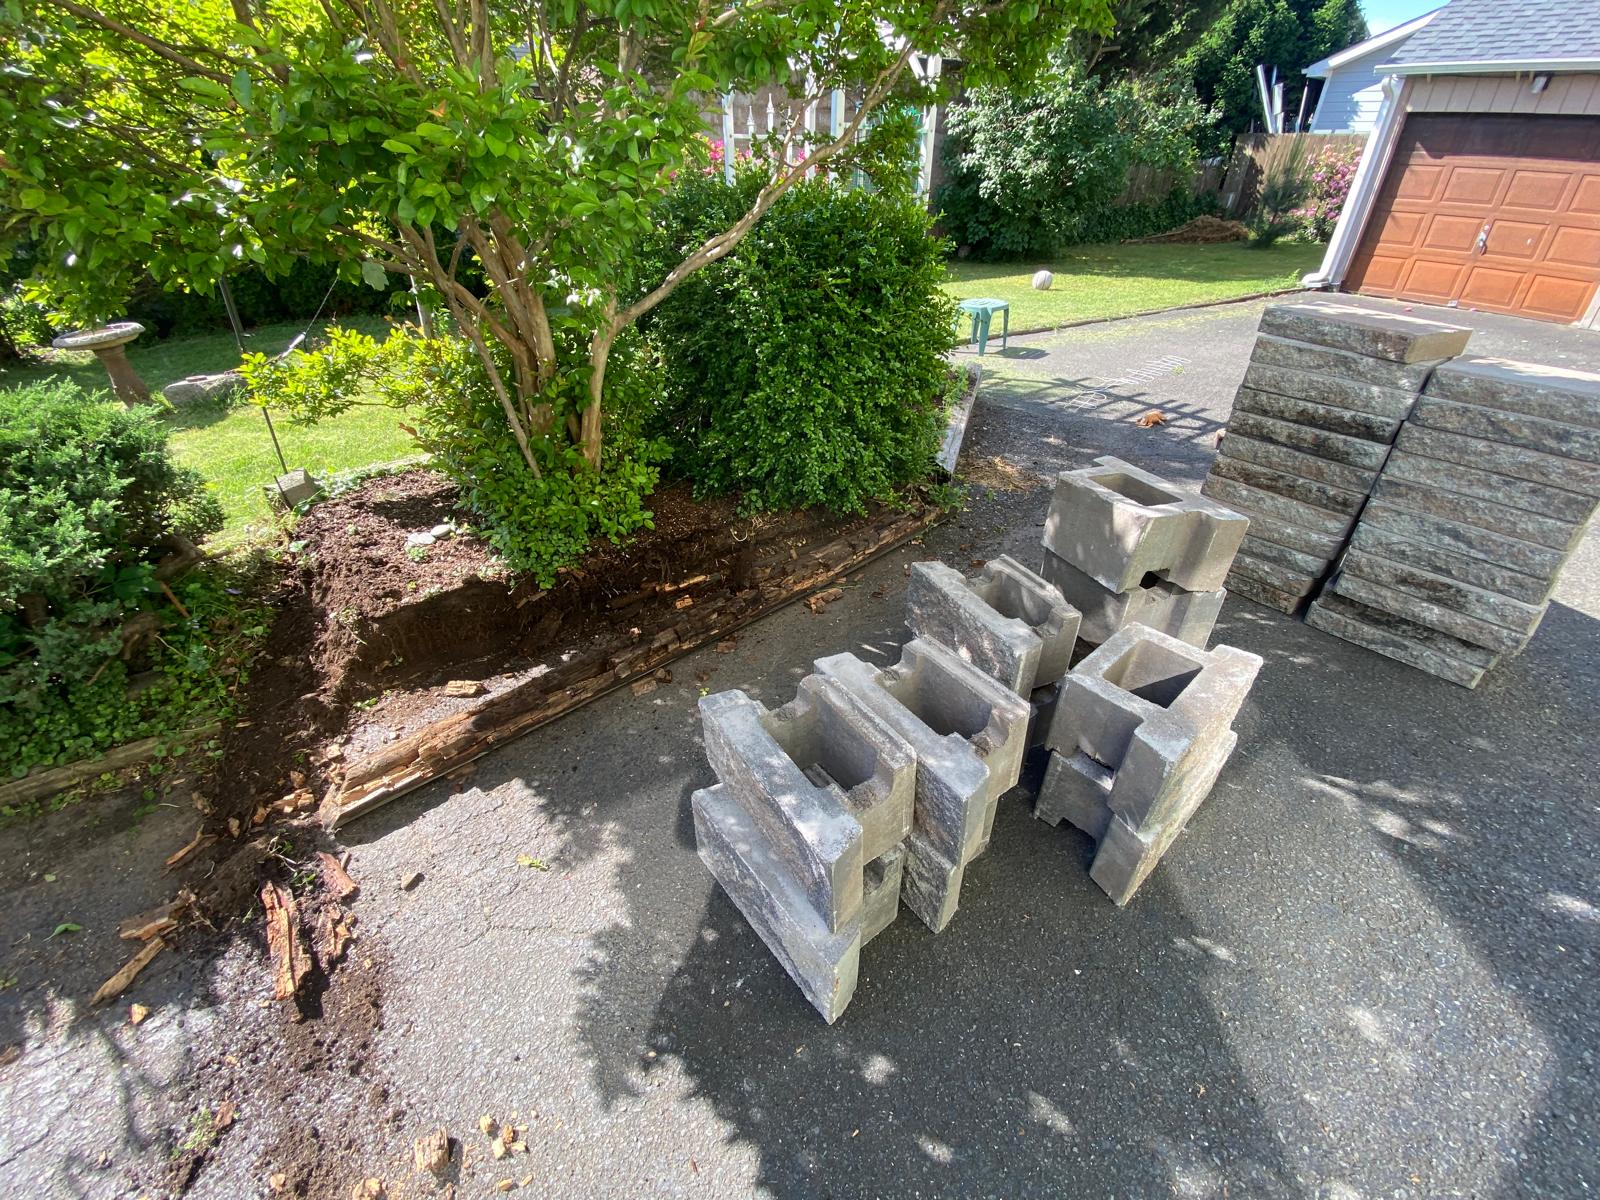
point(1492, 212)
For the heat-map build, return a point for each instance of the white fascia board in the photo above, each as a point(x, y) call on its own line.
point(1508, 66)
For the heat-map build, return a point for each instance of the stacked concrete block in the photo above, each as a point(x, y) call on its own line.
point(1124, 546)
point(1141, 731)
point(1487, 492)
point(1005, 620)
point(1324, 396)
point(804, 827)
point(968, 733)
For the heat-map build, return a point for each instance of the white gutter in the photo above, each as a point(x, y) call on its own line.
point(1365, 187)
point(1508, 66)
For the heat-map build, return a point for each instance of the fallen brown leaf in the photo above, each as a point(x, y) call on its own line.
point(1151, 419)
point(118, 983)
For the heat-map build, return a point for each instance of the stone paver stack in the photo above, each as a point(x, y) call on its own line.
point(1322, 401)
point(1486, 494)
point(1124, 546)
point(1141, 731)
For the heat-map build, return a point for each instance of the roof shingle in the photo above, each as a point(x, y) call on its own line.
point(1495, 31)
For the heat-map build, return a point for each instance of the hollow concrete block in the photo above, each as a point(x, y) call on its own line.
point(1141, 730)
point(968, 733)
point(1118, 524)
point(1005, 620)
point(1161, 605)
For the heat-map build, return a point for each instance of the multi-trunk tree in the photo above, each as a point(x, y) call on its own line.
point(506, 156)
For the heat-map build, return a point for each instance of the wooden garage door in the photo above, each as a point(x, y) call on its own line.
point(1492, 212)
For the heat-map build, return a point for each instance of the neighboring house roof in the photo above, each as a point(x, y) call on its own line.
point(1390, 38)
point(1482, 37)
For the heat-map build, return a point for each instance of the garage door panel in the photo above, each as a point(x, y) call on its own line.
point(1574, 246)
point(1473, 185)
point(1452, 233)
point(1557, 298)
point(1543, 190)
point(1515, 239)
point(1528, 186)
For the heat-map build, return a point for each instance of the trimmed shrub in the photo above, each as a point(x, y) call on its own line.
point(90, 500)
point(808, 367)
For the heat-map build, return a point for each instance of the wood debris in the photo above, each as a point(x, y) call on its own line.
point(727, 645)
point(463, 687)
point(370, 1188)
point(200, 840)
point(162, 919)
point(643, 687)
point(137, 1013)
point(290, 963)
point(824, 598)
point(118, 983)
point(407, 882)
point(335, 932)
point(226, 1112)
point(431, 1151)
point(338, 880)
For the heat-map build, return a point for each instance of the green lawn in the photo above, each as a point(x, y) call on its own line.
point(1096, 282)
point(231, 447)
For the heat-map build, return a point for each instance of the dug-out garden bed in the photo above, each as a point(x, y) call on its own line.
point(393, 664)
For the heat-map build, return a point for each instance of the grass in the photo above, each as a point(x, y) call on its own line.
point(1100, 282)
point(231, 446)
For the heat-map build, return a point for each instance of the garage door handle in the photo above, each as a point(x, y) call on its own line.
point(1483, 236)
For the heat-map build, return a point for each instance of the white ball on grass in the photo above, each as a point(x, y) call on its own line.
point(1042, 280)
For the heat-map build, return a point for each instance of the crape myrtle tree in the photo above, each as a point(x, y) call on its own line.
point(506, 155)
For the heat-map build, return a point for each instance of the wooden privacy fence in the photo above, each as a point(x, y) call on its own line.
point(1258, 155)
point(1149, 185)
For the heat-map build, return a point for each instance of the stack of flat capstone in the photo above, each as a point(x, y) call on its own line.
point(1126, 547)
point(1140, 733)
point(1490, 486)
point(1324, 396)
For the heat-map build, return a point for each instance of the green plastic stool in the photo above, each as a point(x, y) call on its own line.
point(982, 311)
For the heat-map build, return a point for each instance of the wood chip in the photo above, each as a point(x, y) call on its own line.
point(290, 962)
point(339, 882)
point(278, 1181)
point(431, 1151)
point(161, 919)
point(137, 1013)
point(463, 687)
point(505, 1185)
point(226, 1112)
point(368, 1189)
point(118, 983)
point(683, 602)
point(200, 840)
point(822, 599)
point(727, 645)
point(643, 687)
point(410, 881)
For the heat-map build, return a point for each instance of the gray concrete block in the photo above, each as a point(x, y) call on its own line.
point(1554, 393)
point(1518, 523)
point(881, 881)
point(1332, 390)
point(291, 489)
point(1141, 730)
point(1265, 594)
point(1475, 571)
point(1501, 459)
point(1335, 447)
point(1343, 421)
point(1495, 638)
point(1290, 582)
point(1407, 465)
point(1297, 463)
point(1005, 620)
point(1576, 442)
point(1251, 499)
point(198, 389)
point(1188, 616)
point(824, 963)
point(1283, 556)
point(1117, 524)
point(1303, 356)
point(1398, 639)
point(1275, 529)
point(1405, 576)
point(1471, 540)
point(968, 733)
point(1126, 856)
point(808, 827)
point(1344, 326)
point(1280, 483)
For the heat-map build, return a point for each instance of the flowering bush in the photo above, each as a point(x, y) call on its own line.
point(1332, 172)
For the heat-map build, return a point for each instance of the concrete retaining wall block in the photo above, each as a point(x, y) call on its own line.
point(1005, 620)
point(1139, 735)
point(1188, 616)
point(1118, 525)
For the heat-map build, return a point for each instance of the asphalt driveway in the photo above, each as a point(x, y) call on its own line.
point(1368, 968)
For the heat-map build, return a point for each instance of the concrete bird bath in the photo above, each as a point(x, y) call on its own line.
point(107, 343)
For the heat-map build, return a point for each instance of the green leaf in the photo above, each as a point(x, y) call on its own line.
point(395, 146)
point(435, 133)
point(204, 87)
point(374, 276)
point(65, 927)
point(240, 87)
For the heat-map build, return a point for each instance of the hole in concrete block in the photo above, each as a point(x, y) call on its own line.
point(1136, 490)
point(944, 705)
point(823, 745)
point(1149, 580)
point(1153, 673)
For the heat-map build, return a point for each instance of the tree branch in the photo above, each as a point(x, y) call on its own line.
point(154, 45)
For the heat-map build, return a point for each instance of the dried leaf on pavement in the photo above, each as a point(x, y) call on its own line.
point(1151, 419)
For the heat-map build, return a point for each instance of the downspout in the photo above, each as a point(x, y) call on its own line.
point(1364, 189)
